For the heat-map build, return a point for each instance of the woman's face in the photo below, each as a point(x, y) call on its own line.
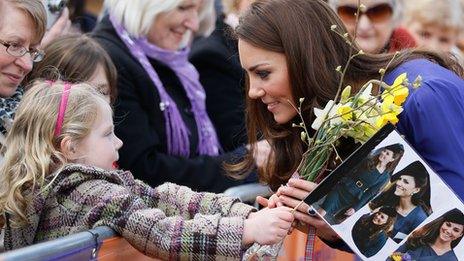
point(375, 26)
point(406, 186)
point(386, 156)
point(268, 80)
point(380, 218)
point(450, 231)
point(170, 28)
point(100, 82)
point(15, 29)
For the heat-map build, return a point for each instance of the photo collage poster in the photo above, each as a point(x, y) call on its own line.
point(385, 199)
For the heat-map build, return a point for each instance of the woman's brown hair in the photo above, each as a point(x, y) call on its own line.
point(75, 59)
point(301, 30)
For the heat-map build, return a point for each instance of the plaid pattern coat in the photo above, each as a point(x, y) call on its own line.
point(170, 222)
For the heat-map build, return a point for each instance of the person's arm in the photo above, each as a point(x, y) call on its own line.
point(436, 132)
point(168, 236)
point(188, 202)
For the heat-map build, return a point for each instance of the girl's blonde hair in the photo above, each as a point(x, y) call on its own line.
point(33, 151)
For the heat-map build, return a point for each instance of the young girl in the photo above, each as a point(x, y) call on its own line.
point(59, 178)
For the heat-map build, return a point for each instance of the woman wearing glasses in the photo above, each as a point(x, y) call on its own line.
point(377, 30)
point(22, 26)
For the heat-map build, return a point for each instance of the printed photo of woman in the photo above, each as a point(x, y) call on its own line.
point(362, 184)
point(436, 240)
point(409, 195)
point(370, 232)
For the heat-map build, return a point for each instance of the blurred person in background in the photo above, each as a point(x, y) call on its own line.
point(435, 25)
point(160, 111)
point(378, 28)
point(22, 27)
point(216, 59)
point(77, 58)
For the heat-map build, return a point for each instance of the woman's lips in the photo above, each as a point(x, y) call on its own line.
point(272, 106)
point(14, 77)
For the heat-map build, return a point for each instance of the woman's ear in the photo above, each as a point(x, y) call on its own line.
point(68, 148)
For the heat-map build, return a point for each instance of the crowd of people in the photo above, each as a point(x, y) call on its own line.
point(135, 120)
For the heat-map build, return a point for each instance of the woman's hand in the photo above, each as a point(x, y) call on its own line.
point(261, 153)
point(291, 195)
point(61, 27)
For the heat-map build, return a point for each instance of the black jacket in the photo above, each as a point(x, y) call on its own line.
point(140, 124)
point(216, 59)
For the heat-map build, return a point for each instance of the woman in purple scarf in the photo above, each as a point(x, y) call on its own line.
point(160, 110)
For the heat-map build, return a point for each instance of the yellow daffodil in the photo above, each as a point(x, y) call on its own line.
point(388, 106)
point(402, 79)
point(398, 90)
point(345, 112)
point(386, 118)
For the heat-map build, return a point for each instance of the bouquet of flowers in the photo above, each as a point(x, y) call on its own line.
point(359, 117)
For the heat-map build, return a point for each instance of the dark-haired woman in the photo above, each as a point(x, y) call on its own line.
point(437, 239)
point(409, 194)
point(289, 51)
point(370, 232)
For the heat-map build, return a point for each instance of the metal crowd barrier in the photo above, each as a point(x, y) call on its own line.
point(101, 243)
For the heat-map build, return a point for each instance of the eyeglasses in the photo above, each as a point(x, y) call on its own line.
point(377, 13)
point(19, 51)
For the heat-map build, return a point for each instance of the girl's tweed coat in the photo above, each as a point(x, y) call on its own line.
point(169, 222)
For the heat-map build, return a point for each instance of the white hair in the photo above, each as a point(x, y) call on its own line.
point(396, 6)
point(137, 16)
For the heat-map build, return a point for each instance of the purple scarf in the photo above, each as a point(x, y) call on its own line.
point(176, 131)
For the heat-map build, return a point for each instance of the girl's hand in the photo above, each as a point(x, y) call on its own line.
point(267, 226)
point(262, 153)
point(272, 202)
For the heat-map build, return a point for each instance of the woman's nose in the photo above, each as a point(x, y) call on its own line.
point(25, 62)
point(193, 22)
point(255, 92)
point(364, 23)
